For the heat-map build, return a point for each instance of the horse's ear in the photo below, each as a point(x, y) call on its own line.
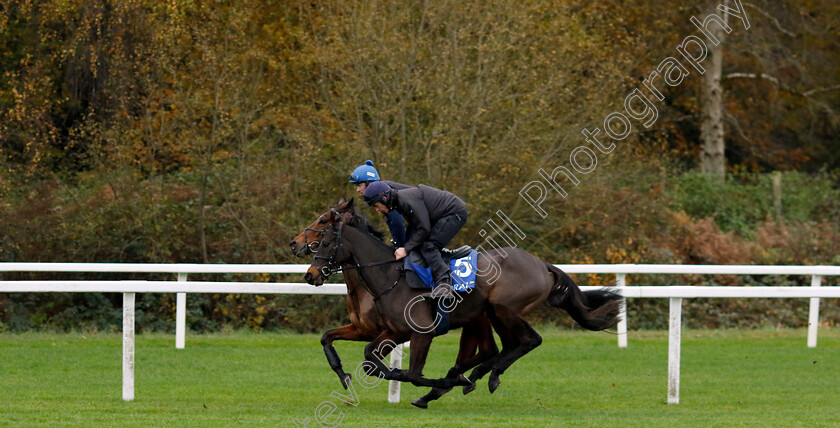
point(332, 215)
point(342, 200)
point(350, 207)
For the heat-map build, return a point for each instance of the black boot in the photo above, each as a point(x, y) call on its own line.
point(443, 290)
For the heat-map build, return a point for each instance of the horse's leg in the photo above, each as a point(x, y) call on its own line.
point(420, 343)
point(477, 335)
point(487, 348)
point(528, 339)
point(468, 346)
point(376, 350)
point(347, 332)
point(509, 342)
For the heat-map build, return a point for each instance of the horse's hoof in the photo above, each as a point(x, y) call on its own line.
point(463, 381)
point(493, 384)
point(421, 403)
point(347, 379)
point(469, 388)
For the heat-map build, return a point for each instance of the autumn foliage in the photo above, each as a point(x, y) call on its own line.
point(213, 132)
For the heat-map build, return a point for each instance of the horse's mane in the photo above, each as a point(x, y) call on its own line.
point(361, 222)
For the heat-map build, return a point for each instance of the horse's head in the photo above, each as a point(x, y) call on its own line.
point(330, 252)
point(307, 242)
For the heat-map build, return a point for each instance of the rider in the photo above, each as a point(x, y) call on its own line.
point(362, 177)
point(435, 215)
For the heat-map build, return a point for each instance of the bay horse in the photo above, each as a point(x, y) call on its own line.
point(366, 323)
point(523, 283)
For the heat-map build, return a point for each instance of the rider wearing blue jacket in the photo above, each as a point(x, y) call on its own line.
point(362, 177)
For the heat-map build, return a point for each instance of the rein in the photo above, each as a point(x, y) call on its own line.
point(330, 268)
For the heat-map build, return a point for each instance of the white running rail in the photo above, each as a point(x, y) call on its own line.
point(182, 287)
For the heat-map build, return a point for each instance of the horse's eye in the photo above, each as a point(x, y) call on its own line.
point(323, 221)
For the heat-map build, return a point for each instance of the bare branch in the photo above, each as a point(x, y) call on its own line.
point(810, 92)
point(683, 118)
point(754, 76)
point(737, 126)
point(771, 18)
point(806, 94)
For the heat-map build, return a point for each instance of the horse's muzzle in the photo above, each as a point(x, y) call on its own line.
point(301, 250)
point(315, 278)
point(294, 246)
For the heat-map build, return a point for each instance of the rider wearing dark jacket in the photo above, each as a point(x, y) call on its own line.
point(435, 215)
point(362, 177)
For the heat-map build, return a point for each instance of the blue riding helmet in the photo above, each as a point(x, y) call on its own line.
point(376, 191)
point(364, 173)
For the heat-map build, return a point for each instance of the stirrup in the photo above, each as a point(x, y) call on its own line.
point(446, 290)
point(442, 294)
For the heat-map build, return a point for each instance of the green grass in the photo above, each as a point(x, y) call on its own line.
point(729, 378)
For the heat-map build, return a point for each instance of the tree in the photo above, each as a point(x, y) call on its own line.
point(785, 74)
point(713, 160)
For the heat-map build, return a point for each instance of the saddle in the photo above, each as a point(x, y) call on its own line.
point(419, 280)
point(462, 251)
point(419, 276)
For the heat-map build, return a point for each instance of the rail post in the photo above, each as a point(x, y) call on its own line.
point(181, 315)
point(814, 313)
point(621, 281)
point(394, 385)
point(128, 346)
point(674, 327)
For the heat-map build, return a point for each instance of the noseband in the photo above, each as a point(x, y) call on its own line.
point(330, 268)
point(313, 246)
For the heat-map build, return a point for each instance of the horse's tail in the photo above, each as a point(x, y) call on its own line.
point(593, 310)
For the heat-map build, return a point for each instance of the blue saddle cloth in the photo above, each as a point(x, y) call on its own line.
point(462, 272)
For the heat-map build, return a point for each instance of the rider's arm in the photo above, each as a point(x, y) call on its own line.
point(418, 217)
point(396, 225)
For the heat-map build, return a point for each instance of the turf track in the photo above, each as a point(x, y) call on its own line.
point(729, 378)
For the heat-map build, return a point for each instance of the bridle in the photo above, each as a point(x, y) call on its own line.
point(313, 246)
point(331, 267)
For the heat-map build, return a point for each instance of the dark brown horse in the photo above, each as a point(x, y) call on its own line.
point(522, 283)
point(365, 322)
